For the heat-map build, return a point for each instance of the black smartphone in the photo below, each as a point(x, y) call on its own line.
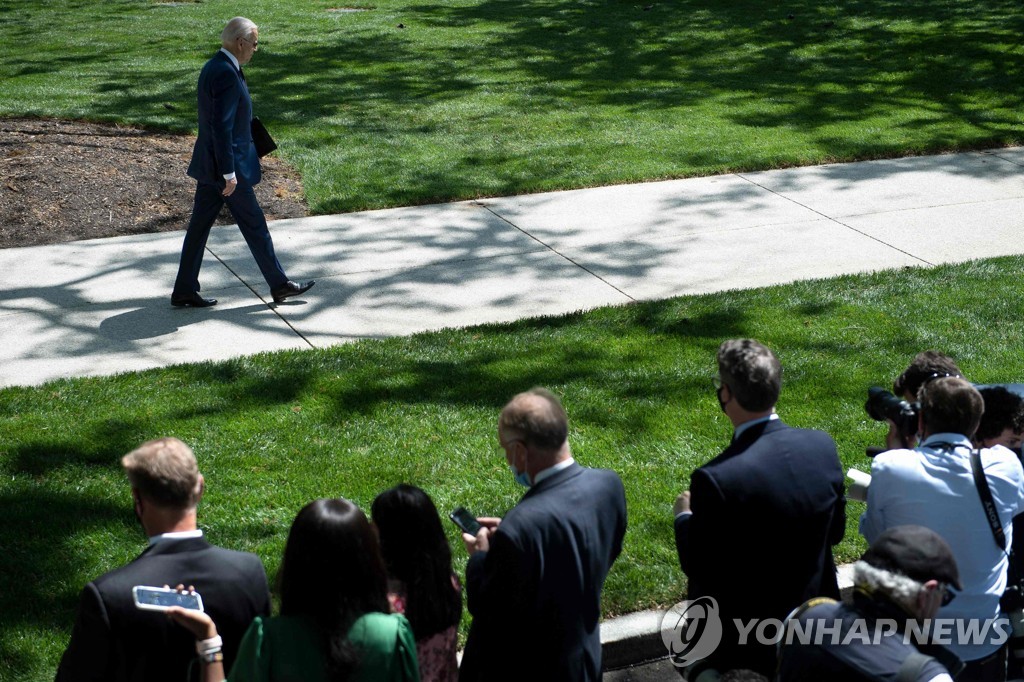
point(464, 520)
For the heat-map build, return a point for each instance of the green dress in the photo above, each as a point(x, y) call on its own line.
point(286, 649)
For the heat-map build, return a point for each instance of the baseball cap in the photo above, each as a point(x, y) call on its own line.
point(916, 552)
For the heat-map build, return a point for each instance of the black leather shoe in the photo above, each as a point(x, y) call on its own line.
point(193, 300)
point(290, 288)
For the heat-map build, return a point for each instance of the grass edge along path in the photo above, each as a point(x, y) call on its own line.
point(273, 431)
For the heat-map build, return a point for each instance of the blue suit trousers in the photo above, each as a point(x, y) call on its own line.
point(251, 222)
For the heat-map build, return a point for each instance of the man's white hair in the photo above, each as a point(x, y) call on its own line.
point(239, 27)
point(899, 588)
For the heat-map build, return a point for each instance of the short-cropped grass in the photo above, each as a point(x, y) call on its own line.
point(274, 431)
point(410, 102)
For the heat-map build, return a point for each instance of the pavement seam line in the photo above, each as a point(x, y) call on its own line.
point(834, 220)
point(996, 154)
point(554, 250)
point(256, 293)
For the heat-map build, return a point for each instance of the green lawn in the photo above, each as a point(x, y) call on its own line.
point(274, 431)
point(493, 97)
point(497, 97)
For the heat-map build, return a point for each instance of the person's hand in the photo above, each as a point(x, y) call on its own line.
point(197, 622)
point(682, 503)
point(481, 542)
point(229, 187)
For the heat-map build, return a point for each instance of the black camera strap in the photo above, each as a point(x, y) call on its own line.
point(991, 512)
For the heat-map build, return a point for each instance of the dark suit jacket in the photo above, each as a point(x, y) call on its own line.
point(115, 642)
point(224, 144)
point(535, 596)
point(766, 513)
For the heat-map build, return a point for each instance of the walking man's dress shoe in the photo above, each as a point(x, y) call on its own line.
point(193, 300)
point(289, 289)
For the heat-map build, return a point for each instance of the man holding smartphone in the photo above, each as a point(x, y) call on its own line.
point(113, 639)
point(534, 578)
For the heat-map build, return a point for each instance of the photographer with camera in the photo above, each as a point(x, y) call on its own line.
point(1003, 421)
point(1003, 424)
point(899, 408)
point(935, 485)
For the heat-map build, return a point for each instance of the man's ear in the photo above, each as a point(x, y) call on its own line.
point(202, 488)
point(929, 597)
point(517, 447)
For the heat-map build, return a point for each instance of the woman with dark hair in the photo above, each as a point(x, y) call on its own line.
point(422, 584)
point(333, 624)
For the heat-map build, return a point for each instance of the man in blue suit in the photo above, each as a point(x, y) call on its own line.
point(756, 529)
point(226, 168)
point(534, 578)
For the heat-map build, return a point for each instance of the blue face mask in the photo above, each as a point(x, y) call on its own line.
point(522, 478)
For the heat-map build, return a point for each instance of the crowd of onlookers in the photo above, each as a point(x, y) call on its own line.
point(377, 598)
point(366, 600)
point(936, 596)
point(358, 600)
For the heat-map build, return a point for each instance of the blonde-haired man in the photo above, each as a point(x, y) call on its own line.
point(114, 641)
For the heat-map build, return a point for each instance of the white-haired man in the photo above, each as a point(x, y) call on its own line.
point(226, 169)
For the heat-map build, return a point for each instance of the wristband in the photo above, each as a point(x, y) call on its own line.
point(205, 646)
point(215, 656)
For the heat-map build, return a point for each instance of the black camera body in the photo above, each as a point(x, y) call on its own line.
point(1012, 604)
point(882, 405)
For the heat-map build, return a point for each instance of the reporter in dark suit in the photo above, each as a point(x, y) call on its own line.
point(756, 529)
point(112, 640)
point(534, 578)
point(226, 168)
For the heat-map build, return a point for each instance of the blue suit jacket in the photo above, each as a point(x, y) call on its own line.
point(224, 144)
point(766, 513)
point(536, 595)
point(113, 641)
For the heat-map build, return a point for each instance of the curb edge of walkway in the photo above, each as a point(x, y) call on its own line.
point(635, 638)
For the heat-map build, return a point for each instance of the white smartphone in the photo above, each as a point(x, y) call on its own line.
point(163, 598)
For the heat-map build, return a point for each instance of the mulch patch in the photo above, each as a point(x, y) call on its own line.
point(61, 181)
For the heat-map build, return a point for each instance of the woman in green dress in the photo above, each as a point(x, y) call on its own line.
point(334, 624)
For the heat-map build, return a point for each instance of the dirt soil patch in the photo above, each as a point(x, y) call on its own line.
point(61, 181)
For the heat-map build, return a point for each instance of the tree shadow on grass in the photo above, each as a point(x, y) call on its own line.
point(547, 351)
point(809, 64)
point(42, 567)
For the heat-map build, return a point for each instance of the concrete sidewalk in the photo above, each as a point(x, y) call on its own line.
point(633, 649)
point(102, 306)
